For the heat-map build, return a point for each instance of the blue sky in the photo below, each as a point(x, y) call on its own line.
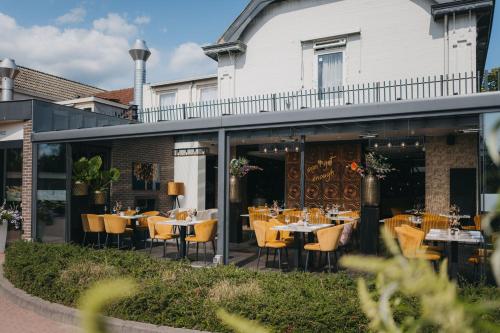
point(67, 37)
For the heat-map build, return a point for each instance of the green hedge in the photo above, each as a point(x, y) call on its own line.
point(174, 294)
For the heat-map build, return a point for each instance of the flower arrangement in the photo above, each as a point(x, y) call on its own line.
point(11, 216)
point(239, 167)
point(454, 212)
point(375, 164)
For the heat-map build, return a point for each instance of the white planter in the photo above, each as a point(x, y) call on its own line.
point(3, 236)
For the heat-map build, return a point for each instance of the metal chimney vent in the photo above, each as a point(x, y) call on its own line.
point(8, 71)
point(140, 53)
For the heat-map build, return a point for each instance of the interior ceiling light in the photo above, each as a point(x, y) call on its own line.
point(375, 145)
point(368, 136)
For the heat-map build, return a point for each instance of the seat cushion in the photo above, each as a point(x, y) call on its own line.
point(165, 236)
point(276, 244)
point(428, 255)
point(312, 247)
point(192, 239)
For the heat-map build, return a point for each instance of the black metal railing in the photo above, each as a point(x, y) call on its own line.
point(377, 92)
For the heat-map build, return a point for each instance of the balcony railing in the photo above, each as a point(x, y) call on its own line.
point(377, 92)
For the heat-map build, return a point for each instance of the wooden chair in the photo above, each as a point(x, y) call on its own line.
point(96, 225)
point(328, 241)
point(116, 226)
point(161, 232)
point(268, 239)
point(204, 232)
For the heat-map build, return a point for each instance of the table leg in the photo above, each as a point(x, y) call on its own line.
point(183, 241)
point(453, 264)
point(298, 247)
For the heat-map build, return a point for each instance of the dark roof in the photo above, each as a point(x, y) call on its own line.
point(123, 96)
point(50, 87)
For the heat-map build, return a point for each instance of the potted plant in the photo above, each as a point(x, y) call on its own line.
point(238, 168)
point(84, 171)
point(9, 218)
point(101, 180)
point(376, 168)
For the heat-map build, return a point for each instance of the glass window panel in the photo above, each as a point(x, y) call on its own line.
point(51, 193)
point(168, 98)
point(208, 93)
point(491, 174)
point(330, 70)
point(13, 179)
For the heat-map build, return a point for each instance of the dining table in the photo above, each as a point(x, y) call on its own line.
point(183, 225)
point(454, 239)
point(299, 228)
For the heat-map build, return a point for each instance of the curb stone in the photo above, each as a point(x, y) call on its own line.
point(71, 316)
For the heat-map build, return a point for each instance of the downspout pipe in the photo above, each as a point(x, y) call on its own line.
point(8, 72)
point(140, 54)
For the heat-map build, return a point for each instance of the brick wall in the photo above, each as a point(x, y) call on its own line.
point(26, 190)
point(152, 150)
point(439, 159)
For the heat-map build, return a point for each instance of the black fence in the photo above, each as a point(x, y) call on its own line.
point(377, 92)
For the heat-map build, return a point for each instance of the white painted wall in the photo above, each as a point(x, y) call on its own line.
point(192, 172)
point(11, 131)
point(187, 91)
point(386, 40)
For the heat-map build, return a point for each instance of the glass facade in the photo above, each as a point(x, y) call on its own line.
point(13, 175)
point(490, 183)
point(51, 193)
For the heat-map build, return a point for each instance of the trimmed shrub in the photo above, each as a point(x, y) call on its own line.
point(174, 294)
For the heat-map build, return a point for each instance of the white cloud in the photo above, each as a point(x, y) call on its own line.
point(114, 24)
point(141, 20)
point(188, 59)
point(95, 56)
point(75, 15)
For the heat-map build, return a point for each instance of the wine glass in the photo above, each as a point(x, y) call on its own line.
point(287, 219)
point(137, 209)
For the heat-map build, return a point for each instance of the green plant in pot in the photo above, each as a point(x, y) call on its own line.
point(101, 180)
point(84, 171)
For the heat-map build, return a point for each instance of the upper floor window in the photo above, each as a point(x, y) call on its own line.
point(168, 98)
point(330, 70)
point(208, 93)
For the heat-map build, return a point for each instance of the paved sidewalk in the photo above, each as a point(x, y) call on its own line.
point(15, 319)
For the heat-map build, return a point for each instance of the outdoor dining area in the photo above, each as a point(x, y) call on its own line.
point(131, 229)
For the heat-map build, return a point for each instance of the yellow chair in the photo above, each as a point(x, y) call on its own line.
point(96, 225)
point(181, 216)
point(319, 218)
point(161, 232)
point(268, 239)
point(143, 221)
point(204, 232)
point(116, 226)
point(421, 236)
point(285, 236)
point(328, 241)
point(85, 227)
point(258, 215)
point(410, 244)
point(433, 221)
point(476, 226)
point(392, 223)
point(130, 212)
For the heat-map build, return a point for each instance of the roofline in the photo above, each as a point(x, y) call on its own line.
point(92, 99)
point(444, 106)
point(441, 9)
point(62, 78)
point(186, 80)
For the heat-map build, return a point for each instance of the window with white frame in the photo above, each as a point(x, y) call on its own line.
point(330, 70)
point(168, 98)
point(208, 93)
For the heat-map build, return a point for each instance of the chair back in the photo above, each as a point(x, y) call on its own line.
point(416, 231)
point(319, 218)
point(477, 222)
point(433, 221)
point(281, 234)
point(96, 223)
point(328, 238)
point(143, 221)
point(355, 214)
point(85, 223)
point(181, 216)
point(258, 215)
point(408, 241)
point(130, 212)
point(263, 232)
point(205, 231)
point(114, 224)
point(157, 229)
point(392, 223)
